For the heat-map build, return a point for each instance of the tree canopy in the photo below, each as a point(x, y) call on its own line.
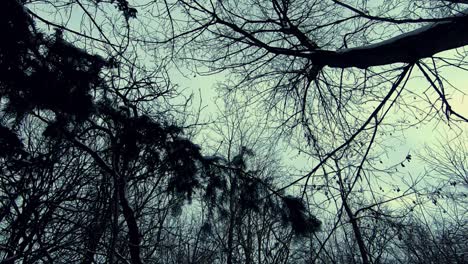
point(105, 158)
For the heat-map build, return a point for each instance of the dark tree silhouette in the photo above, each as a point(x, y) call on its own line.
point(98, 160)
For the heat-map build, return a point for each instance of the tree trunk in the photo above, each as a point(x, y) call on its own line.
point(133, 230)
point(357, 232)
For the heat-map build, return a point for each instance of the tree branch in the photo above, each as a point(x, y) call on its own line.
point(406, 48)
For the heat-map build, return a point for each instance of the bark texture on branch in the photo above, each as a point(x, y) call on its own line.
point(406, 48)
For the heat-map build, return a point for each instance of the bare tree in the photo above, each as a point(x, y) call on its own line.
point(336, 72)
point(95, 165)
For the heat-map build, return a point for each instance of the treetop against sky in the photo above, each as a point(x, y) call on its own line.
point(222, 131)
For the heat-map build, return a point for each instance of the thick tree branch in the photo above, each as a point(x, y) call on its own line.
point(456, 1)
point(406, 48)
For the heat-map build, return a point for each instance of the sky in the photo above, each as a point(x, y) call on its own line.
point(411, 141)
point(413, 138)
